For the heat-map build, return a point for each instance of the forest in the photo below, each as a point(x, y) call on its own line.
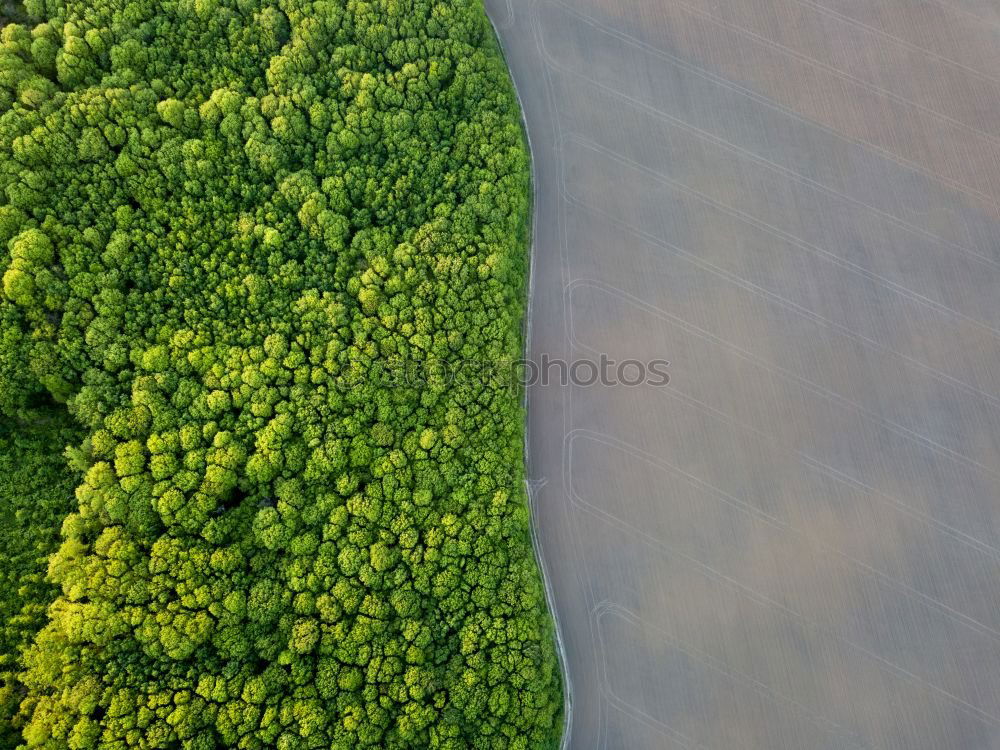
point(217, 219)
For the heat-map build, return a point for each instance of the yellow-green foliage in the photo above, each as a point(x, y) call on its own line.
point(218, 218)
point(36, 493)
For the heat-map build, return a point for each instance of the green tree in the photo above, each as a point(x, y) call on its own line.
point(244, 241)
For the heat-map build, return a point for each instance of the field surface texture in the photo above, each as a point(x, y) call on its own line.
point(796, 542)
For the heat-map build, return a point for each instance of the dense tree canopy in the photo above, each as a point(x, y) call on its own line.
point(218, 218)
point(36, 493)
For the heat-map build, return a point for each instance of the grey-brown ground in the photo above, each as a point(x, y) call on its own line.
point(796, 543)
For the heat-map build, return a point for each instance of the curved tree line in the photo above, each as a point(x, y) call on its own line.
point(213, 215)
